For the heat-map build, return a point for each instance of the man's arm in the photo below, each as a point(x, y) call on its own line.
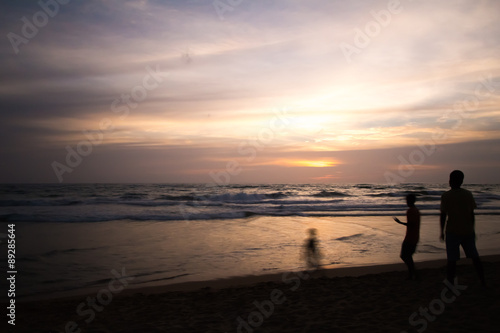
point(442, 221)
point(473, 221)
point(442, 217)
point(473, 217)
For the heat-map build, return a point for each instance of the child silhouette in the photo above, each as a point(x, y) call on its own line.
point(311, 251)
point(412, 235)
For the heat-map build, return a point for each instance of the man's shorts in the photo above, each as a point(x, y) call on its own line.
point(453, 243)
point(407, 249)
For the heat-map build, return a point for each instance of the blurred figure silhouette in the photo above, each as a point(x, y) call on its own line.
point(311, 251)
point(458, 205)
point(412, 235)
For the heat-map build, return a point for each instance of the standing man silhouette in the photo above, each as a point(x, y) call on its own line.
point(458, 206)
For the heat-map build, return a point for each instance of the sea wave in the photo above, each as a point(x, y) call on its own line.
point(162, 202)
point(133, 195)
point(348, 238)
point(328, 194)
point(39, 202)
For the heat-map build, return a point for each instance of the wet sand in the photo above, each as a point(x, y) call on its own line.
point(356, 299)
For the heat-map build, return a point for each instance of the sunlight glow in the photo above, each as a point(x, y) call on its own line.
point(311, 164)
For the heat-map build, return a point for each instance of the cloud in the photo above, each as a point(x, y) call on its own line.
point(226, 78)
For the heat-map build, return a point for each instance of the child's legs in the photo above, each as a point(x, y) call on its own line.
point(407, 250)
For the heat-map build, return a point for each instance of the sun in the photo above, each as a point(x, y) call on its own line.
point(309, 163)
point(316, 164)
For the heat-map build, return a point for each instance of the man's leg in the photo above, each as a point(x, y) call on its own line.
point(451, 269)
point(453, 254)
point(479, 269)
point(469, 246)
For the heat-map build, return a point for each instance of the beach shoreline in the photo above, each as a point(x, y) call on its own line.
point(223, 304)
point(61, 262)
point(248, 280)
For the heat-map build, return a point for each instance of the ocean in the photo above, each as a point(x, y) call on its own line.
point(72, 236)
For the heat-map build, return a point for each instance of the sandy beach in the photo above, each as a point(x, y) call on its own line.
point(356, 299)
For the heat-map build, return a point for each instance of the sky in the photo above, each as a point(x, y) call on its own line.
point(249, 91)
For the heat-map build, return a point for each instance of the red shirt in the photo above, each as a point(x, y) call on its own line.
point(413, 225)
